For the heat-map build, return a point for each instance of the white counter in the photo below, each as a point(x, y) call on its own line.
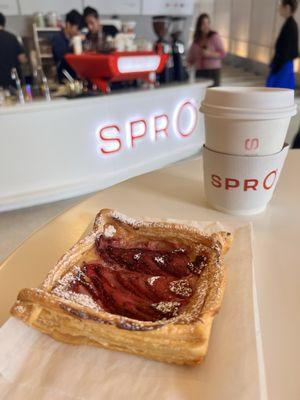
point(64, 148)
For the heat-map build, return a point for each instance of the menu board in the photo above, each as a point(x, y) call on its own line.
point(9, 7)
point(29, 7)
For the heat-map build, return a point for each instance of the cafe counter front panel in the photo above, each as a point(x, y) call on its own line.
point(64, 148)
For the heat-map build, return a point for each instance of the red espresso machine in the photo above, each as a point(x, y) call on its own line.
point(101, 69)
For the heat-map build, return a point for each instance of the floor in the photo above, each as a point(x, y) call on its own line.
point(16, 226)
point(232, 76)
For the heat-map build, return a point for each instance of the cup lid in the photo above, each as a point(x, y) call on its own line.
point(249, 97)
point(249, 103)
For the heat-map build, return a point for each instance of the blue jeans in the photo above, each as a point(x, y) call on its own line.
point(284, 78)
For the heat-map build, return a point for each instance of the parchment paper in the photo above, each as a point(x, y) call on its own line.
point(34, 366)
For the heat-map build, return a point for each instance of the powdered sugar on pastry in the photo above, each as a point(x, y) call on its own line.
point(79, 298)
point(109, 231)
point(152, 280)
point(126, 220)
point(137, 256)
point(167, 307)
point(159, 260)
point(62, 290)
point(20, 309)
point(181, 287)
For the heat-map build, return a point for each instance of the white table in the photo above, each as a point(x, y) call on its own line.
point(177, 192)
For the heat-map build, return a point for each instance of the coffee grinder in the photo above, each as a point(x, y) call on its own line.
point(162, 27)
point(178, 50)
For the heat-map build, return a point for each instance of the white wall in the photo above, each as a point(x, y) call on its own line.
point(240, 26)
point(221, 19)
point(201, 6)
point(249, 28)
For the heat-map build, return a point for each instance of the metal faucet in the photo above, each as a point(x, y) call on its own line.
point(15, 77)
point(46, 89)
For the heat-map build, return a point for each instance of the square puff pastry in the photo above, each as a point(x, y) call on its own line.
point(81, 300)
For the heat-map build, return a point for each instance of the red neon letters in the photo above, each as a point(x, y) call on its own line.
point(110, 133)
point(137, 130)
point(161, 125)
point(245, 185)
point(193, 118)
point(114, 137)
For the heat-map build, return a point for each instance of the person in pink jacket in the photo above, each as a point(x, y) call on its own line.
point(207, 51)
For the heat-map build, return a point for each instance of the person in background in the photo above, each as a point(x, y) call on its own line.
point(286, 48)
point(62, 43)
point(111, 30)
point(94, 38)
point(207, 51)
point(296, 141)
point(11, 54)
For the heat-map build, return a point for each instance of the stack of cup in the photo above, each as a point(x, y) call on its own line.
point(244, 152)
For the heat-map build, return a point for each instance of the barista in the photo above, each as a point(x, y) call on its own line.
point(11, 54)
point(95, 37)
point(62, 43)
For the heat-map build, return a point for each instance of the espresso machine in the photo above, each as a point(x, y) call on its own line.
point(162, 27)
point(178, 51)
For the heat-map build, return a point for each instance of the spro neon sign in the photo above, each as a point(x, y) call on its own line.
point(114, 137)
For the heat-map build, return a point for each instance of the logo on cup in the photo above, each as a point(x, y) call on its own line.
point(247, 184)
point(252, 144)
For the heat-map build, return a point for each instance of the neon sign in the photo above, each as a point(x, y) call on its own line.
point(114, 137)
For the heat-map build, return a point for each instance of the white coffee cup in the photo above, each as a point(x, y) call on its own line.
point(77, 44)
point(241, 185)
point(120, 42)
point(247, 120)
